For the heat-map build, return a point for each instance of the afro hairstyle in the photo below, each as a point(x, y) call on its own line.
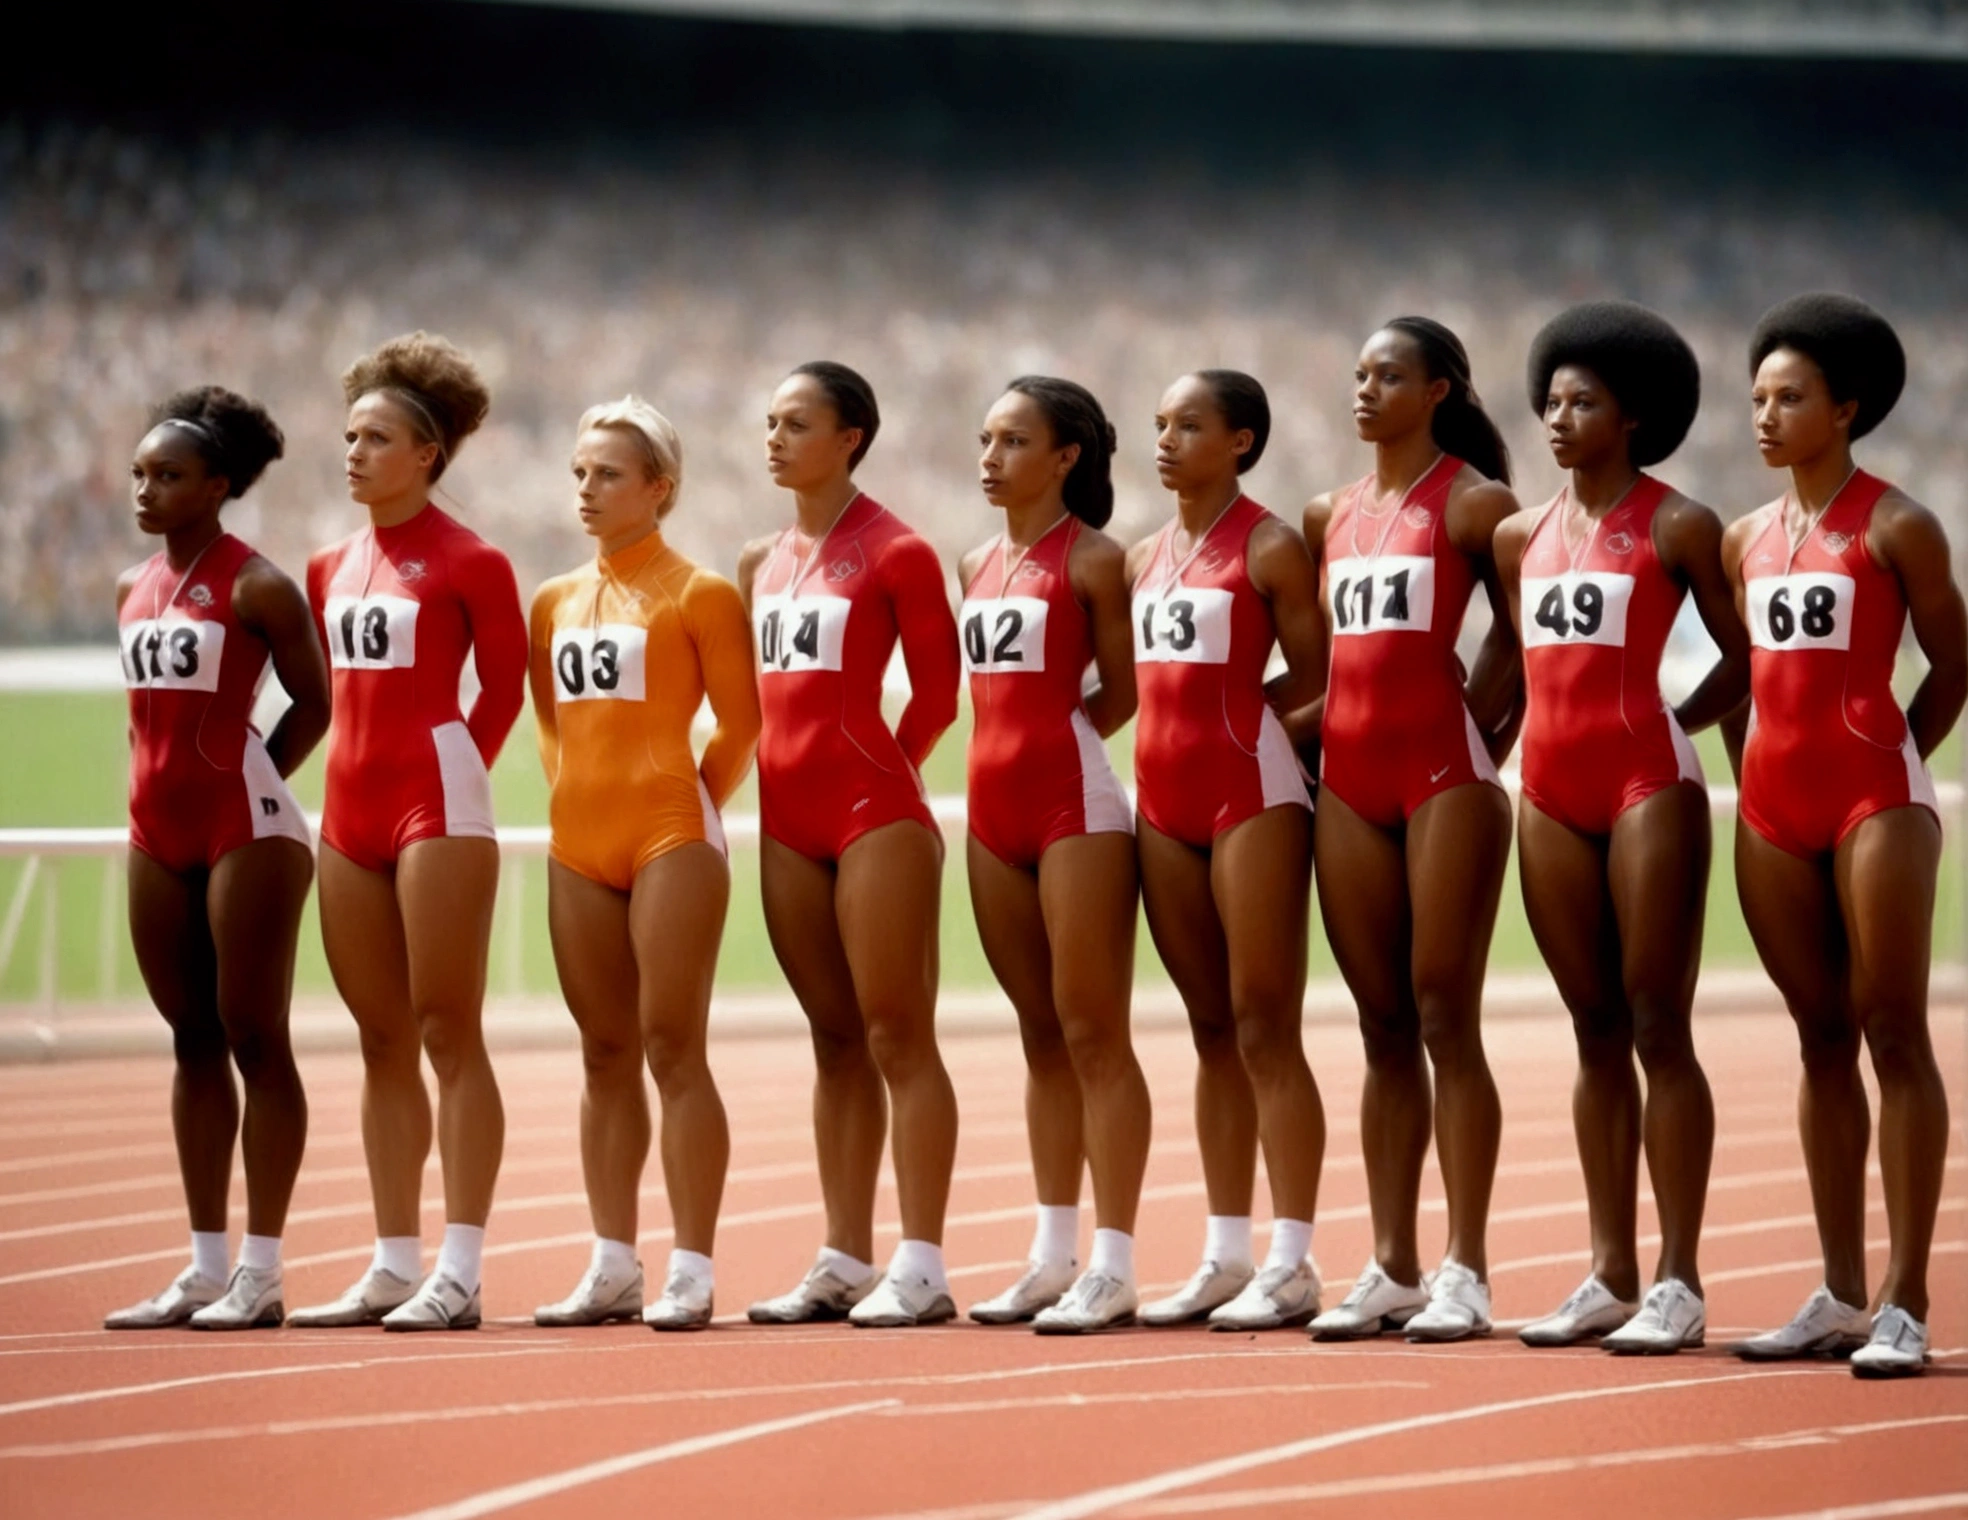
point(1638, 356)
point(1853, 345)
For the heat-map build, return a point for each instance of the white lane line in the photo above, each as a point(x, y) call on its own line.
point(1926, 1504)
point(1103, 1400)
point(515, 1494)
point(1100, 1500)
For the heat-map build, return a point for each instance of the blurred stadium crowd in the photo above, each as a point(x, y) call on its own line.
point(132, 265)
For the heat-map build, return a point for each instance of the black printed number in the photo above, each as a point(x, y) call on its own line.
point(150, 645)
point(1816, 620)
point(1353, 602)
point(1010, 624)
point(1182, 636)
point(575, 672)
point(1587, 612)
point(375, 633)
point(773, 648)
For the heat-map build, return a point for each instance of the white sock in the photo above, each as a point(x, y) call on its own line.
point(1113, 1255)
point(401, 1255)
point(208, 1254)
point(261, 1253)
point(1056, 1237)
point(1291, 1242)
point(919, 1259)
point(459, 1257)
point(694, 1265)
point(1227, 1240)
point(849, 1269)
point(615, 1257)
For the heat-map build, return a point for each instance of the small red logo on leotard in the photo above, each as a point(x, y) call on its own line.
point(410, 570)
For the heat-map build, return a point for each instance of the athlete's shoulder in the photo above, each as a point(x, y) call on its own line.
point(706, 591)
point(556, 589)
point(972, 560)
point(1096, 551)
point(1745, 530)
point(1141, 553)
point(131, 578)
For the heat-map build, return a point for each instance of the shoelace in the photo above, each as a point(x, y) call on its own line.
point(1363, 1289)
point(1581, 1296)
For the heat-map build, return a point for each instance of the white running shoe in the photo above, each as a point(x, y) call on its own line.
point(821, 1295)
point(189, 1292)
point(897, 1303)
point(1458, 1306)
point(599, 1298)
point(685, 1304)
point(1039, 1288)
point(1671, 1316)
point(1276, 1297)
point(1897, 1347)
point(252, 1301)
point(1592, 1310)
point(367, 1300)
point(1823, 1327)
point(440, 1304)
point(1096, 1302)
point(1376, 1303)
point(1211, 1287)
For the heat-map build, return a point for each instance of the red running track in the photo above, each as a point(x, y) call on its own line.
point(957, 1423)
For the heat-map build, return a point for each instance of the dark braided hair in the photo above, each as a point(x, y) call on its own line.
point(1461, 427)
point(1244, 405)
point(233, 436)
point(1075, 417)
point(853, 401)
point(1853, 345)
point(1638, 356)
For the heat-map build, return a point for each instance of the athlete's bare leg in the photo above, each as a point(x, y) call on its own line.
point(1261, 873)
point(446, 888)
point(1011, 925)
point(253, 902)
point(1188, 935)
point(1885, 871)
point(1458, 844)
point(1570, 906)
point(887, 896)
point(596, 959)
point(174, 952)
point(850, 1105)
point(1791, 908)
point(676, 912)
point(362, 931)
point(1363, 901)
point(1658, 870)
point(1088, 891)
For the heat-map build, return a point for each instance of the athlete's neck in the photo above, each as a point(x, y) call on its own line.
point(630, 537)
point(1601, 487)
point(394, 511)
point(1197, 510)
point(1028, 522)
point(183, 545)
point(1400, 462)
point(1814, 481)
point(817, 510)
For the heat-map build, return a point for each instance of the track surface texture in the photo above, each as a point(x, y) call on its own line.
point(959, 1423)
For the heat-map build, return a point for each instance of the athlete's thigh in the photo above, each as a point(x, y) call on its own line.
point(446, 889)
point(800, 920)
point(1458, 845)
point(172, 940)
point(1570, 906)
point(253, 900)
point(1011, 926)
point(1363, 902)
point(1658, 869)
point(362, 932)
point(1261, 877)
point(676, 919)
point(588, 922)
point(1088, 892)
point(1885, 872)
point(1183, 922)
point(888, 895)
point(1791, 907)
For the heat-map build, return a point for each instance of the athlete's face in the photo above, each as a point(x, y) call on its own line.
point(1392, 394)
point(169, 482)
point(618, 501)
point(1796, 419)
point(1582, 422)
point(387, 458)
point(805, 444)
point(1020, 464)
point(1195, 446)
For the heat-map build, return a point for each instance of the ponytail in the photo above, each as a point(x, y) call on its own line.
point(1075, 417)
point(1461, 427)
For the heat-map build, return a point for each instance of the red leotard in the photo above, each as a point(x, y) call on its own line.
point(1598, 739)
point(1397, 730)
point(201, 783)
point(1038, 771)
point(827, 615)
point(398, 608)
point(1828, 744)
point(1209, 752)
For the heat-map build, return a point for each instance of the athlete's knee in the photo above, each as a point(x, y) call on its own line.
point(609, 1059)
point(1047, 1048)
point(1451, 1030)
point(1900, 1049)
point(838, 1051)
point(1268, 1046)
point(265, 1058)
point(1391, 1038)
point(1215, 1038)
point(1101, 1053)
point(675, 1057)
point(454, 1046)
point(390, 1051)
point(902, 1042)
point(1827, 1036)
point(198, 1043)
point(1662, 1036)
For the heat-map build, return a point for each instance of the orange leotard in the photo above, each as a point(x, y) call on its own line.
point(635, 642)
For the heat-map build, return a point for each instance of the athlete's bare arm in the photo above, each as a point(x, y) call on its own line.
point(749, 559)
point(971, 562)
point(1097, 570)
point(1311, 718)
point(540, 680)
point(1688, 543)
point(1495, 689)
point(1736, 539)
point(1909, 539)
point(266, 600)
point(1284, 573)
point(1513, 537)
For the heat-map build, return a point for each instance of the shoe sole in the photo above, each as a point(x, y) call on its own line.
point(1833, 1351)
point(1438, 1338)
point(456, 1324)
point(663, 1327)
point(1004, 1317)
point(269, 1319)
point(1655, 1350)
point(161, 1324)
point(1286, 1322)
point(1872, 1374)
point(828, 1315)
point(937, 1315)
point(1119, 1321)
point(1364, 1332)
point(622, 1316)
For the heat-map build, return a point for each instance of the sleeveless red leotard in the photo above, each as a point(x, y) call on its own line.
point(827, 616)
point(1828, 744)
point(1038, 771)
point(1598, 739)
point(1209, 752)
point(1397, 730)
point(201, 783)
point(398, 609)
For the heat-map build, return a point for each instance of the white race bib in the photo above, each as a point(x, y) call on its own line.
point(1578, 607)
point(372, 632)
point(1392, 594)
point(1186, 624)
point(600, 664)
point(799, 633)
point(1808, 610)
point(173, 654)
point(1004, 634)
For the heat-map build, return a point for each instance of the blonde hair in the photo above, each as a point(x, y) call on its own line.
point(662, 448)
